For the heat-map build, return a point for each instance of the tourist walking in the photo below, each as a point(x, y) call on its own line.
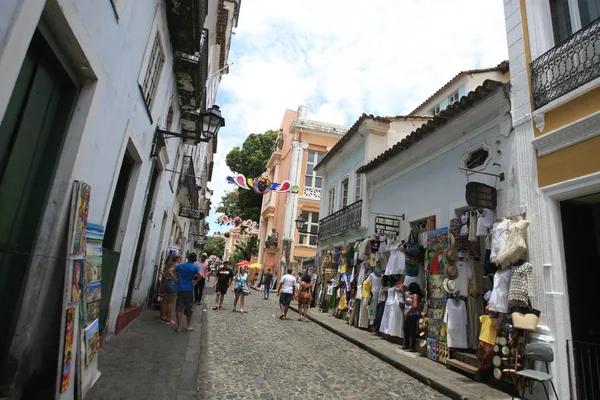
point(222, 282)
point(267, 283)
point(304, 297)
point(199, 288)
point(186, 275)
point(286, 291)
point(169, 290)
point(411, 315)
point(241, 289)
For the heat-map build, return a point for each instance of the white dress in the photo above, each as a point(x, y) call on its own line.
point(499, 298)
point(397, 263)
point(499, 238)
point(392, 321)
point(456, 319)
point(485, 221)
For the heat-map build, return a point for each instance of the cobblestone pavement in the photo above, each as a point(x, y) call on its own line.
point(257, 356)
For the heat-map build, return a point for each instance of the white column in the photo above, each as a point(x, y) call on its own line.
point(292, 199)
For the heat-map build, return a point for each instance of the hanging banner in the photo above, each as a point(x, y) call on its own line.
point(480, 195)
point(387, 226)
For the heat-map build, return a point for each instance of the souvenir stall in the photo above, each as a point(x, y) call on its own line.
point(477, 309)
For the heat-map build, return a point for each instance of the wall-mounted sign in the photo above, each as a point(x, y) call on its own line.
point(195, 237)
point(387, 226)
point(190, 213)
point(480, 195)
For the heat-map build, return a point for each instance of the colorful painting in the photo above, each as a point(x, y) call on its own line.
point(93, 292)
point(76, 280)
point(437, 240)
point(92, 341)
point(92, 310)
point(81, 204)
point(68, 351)
point(93, 259)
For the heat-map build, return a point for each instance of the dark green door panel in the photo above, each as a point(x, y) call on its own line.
point(31, 137)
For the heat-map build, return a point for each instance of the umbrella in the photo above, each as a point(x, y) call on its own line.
point(242, 263)
point(255, 266)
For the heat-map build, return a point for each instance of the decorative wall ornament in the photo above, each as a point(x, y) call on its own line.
point(261, 184)
point(568, 135)
point(540, 121)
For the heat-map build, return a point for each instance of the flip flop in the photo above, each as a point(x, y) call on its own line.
point(215, 307)
point(189, 329)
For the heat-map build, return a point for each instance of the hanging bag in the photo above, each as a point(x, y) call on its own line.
point(413, 249)
point(526, 318)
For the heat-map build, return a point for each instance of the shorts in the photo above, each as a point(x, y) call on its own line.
point(285, 299)
point(170, 287)
point(185, 303)
point(222, 288)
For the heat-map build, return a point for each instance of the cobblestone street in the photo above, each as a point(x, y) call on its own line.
point(257, 356)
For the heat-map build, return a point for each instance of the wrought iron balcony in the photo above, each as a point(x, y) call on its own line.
point(567, 66)
point(341, 221)
point(187, 180)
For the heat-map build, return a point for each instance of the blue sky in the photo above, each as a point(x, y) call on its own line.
point(345, 57)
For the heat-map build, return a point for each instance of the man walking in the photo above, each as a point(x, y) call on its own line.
point(267, 282)
point(286, 291)
point(199, 288)
point(186, 276)
point(224, 279)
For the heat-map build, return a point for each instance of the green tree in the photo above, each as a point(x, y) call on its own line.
point(251, 161)
point(245, 249)
point(215, 246)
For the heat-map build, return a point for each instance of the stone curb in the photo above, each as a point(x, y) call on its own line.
point(427, 380)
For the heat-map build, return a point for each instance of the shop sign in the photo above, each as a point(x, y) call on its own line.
point(190, 213)
point(195, 237)
point(480, 195)
point(387, 226)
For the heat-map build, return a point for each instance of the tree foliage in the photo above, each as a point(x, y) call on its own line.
point(245, 249)
point(251, 161)
point(215, 246)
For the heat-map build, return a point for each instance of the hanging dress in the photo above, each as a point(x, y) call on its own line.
point(455, 318)
point(499, 298)
point(392, 322)
point(397, 262)
point(499, 238)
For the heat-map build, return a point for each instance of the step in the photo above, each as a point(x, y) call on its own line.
point(467, 358)
point(454, 363)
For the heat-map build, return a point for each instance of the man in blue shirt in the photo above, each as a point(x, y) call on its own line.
point(186, 275)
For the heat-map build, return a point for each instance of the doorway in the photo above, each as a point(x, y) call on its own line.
point(118, 204)
point(581, 237)
point(144, 233)
point(32, 133)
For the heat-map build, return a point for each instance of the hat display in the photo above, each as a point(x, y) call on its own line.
point(450, 255)
point(450, 286)
point(451, 271)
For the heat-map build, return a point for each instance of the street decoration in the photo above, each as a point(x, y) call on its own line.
point(261, 184)
point(236, 221)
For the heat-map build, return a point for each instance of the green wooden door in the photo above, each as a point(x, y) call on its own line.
point(31, 137)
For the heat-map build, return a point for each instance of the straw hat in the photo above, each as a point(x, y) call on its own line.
point(450, 286)
point(451, 271)
point(450, 255)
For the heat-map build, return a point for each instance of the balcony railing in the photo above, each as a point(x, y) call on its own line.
point(312, 193)
point(187, 180)
point(586, 364)
point(567, 66)
point(341, 221)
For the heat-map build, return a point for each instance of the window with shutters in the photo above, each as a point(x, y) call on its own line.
point(151, 75)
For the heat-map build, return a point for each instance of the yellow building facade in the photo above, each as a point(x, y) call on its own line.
point(301, 144)
point(554, 52)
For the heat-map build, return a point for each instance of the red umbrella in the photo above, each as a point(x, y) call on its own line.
point(242, 263)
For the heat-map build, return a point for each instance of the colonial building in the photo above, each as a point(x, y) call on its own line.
point(344, 214)
point(458, 87)
point(554, 65)
point(109, 93)
point(301, 145)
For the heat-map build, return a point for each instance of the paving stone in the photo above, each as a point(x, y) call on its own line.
point(257, 356)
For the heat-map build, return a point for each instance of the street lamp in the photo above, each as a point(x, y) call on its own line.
point(208, 124)
point(300, 222)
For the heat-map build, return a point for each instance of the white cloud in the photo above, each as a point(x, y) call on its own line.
point(346, 57)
